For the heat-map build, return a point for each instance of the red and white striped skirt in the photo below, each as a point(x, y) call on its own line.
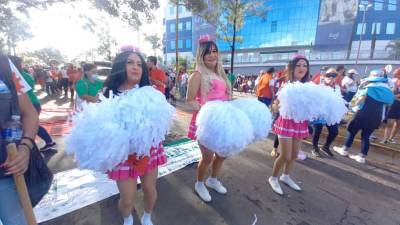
point(126, 170)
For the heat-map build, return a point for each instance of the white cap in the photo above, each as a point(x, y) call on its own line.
point(353, 71)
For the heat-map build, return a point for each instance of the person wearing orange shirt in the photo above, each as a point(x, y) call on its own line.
point(265, 91)
point(157, 76)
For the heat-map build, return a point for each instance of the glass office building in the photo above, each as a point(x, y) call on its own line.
point(287, 23)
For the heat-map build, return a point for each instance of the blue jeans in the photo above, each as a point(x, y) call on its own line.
point(266, 101)
point(42, 132)
point(365, 134)
point(11, 212)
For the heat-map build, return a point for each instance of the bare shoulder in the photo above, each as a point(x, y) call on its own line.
point(195, 76)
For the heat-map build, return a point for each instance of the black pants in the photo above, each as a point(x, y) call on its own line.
point(333, 131)
point(366, 132)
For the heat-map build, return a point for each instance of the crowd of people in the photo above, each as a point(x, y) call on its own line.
point(372, 100)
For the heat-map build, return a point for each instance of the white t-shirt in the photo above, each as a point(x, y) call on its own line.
point(184, 78)
point(349, 84)
point(64, 73)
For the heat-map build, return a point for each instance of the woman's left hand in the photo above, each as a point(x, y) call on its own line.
point(19, 164)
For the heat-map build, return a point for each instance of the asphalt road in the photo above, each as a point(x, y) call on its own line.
point(336, 191)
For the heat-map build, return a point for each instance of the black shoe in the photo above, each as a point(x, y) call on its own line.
point(48, 146)
point(327, 151)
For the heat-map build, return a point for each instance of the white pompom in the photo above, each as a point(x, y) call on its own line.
point(335, 105)
point(223, 128)
point(104, 134)
point(258, 113)
point(308, 102)
point(300, 101)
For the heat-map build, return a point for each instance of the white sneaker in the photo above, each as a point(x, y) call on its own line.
point(392, 141)
point(128, 220)
point(202, 191)
point(215, 184)
point(146, 221)
point(287, 180)
point(358, 158)
point(274, 183)
point(340, 151)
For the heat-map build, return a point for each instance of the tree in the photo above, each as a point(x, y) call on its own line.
point(12, 28)
point(228, 17)
point(46, 56)
point(154, 41)
point(394, 49)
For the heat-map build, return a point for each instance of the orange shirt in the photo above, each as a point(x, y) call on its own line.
point(158, 75)
point(263, 88)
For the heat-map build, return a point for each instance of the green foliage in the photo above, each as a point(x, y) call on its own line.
point(154, 41)
point(45, 56)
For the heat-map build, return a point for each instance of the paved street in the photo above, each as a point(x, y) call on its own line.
point(335, 191)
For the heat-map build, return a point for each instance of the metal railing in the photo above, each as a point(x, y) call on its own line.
point(263, 58)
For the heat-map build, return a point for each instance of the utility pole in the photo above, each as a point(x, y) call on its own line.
point(234, 36)
point(177, 40)
point(365, 7)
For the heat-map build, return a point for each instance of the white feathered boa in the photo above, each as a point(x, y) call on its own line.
point(106, 133)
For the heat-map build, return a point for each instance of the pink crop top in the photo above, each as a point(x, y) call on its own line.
point(218, 91)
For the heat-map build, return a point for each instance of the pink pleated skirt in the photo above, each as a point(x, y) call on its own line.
point(290, 128)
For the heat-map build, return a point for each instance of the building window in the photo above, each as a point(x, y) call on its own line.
point(188, 43)
point(180, 26)
point(378, 5)
point(171, 10)
point(376, 28)
point(172, 44)
point(180, 9)
point(361, 28)
point(274, 26)
point(390, 28)
point(172, 27)
point(189, 25)
point(392, 5)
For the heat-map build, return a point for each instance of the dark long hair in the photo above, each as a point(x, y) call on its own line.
point(118, 73)
point(87, 67)
point(292, 66)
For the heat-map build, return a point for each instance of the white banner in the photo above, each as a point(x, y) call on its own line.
point(74, 189)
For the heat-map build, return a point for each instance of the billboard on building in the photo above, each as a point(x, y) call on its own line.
point(335, 24)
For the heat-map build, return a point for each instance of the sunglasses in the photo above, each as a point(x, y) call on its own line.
point(331, 75)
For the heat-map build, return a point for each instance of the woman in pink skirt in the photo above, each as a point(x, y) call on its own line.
point(290, 133)
point(208, 83)
point(129, 71)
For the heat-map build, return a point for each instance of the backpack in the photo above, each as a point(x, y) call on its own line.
point(38, 177)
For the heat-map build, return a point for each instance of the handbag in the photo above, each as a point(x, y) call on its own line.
point(38, 177)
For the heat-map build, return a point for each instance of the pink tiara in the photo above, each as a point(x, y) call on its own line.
point(298, 56)
point(129, 48)
point(204, 38)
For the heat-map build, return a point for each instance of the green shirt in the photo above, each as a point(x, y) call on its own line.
point(86, 87)
point(29, 79)
point(231, 78)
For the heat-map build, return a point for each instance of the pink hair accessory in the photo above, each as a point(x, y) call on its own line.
point(129, 48)
point(204, 38)
point(298, 56)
